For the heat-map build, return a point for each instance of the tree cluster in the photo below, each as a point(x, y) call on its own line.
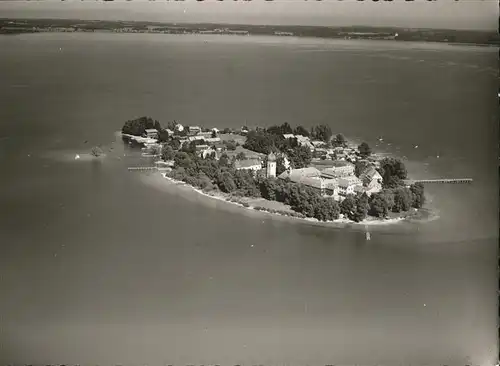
point(138, 126)
point(398, 199)
point(393, 172)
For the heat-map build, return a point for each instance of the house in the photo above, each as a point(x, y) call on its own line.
point(179, 127)
point(212, 140)
point(194, 130)
point(248, 164)
point(207, 152)
point(372, 180)
point(295, 175)
point(331, 188)
point(219, 146)
point(347, 185)
point(195, 138)
point(317, 143)
point(244, 131)
point(151, 133)
point(304, 141)
point(288, 135)
point(206, 135)
point(215, 129)
point(338, 170)
point(201, 147)
point(170, 132)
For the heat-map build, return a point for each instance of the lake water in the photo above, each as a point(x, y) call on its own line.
point(104, 266)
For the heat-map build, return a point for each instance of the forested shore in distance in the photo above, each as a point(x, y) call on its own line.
point(218, 173)
point(473, 37)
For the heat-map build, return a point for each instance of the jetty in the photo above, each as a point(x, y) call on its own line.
point(143, 168)
point(439, 181)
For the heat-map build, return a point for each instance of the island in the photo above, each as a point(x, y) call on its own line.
point(472, 37)
point(293, 171)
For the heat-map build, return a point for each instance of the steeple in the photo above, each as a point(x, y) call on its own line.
point(271, 165)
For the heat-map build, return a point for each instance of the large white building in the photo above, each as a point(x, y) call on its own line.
point(338, 170)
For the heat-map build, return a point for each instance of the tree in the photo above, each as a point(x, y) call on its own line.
point(224, 160)
point(157, 126)
point(167, 153)
point(155, 150)
point(174, 143)
point(393, 171)
point(418, 195)
point(322, 132)
point(378, 206)
point(214, 134)
point(300, 157)
point(300, 130)
point(348, 206)
point(189, 148)
point(137, 127)
point(362, 207)
point(280, 165)
point(241, 156)
point(340, 140)
point(183, 159)
point(230, 145)
point(268, 188)
point(171, 125)
point(96, 151)
point(402, 199)
point(163, 135)
point(226, 131)
point(226, 183)
point(364, 150)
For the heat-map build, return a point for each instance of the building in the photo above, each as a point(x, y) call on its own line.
point(195, 138)
point(151, 133)
point(372, 181)
point(206, 135)
point(179, 127)
point(194, 130)
point(304, 141)
point(338, 170)
point(295, 175)
point(212, 140)
point(347, 185)
point(271, 165)
point(207, 152)
point(331, 188)
point(215, 129)
point(248, 164)
point(169, 132)
point(288, 135)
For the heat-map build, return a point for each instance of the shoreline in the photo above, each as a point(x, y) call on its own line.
point(341, 222)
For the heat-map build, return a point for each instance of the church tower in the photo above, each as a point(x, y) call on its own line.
point(271, 166)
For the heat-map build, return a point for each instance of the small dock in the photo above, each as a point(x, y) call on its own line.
point(143, 168)
point(439, 181)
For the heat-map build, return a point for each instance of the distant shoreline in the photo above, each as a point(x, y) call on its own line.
point(16, 26)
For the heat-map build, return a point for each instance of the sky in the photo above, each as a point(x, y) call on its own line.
point(450, 14)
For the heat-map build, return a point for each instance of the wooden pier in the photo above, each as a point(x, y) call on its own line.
point(143, 168)
point(440, 181)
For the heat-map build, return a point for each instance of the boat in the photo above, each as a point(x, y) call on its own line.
point(368, 237)
point(77, 157)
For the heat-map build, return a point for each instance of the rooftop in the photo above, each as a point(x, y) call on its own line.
point(248, 163)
